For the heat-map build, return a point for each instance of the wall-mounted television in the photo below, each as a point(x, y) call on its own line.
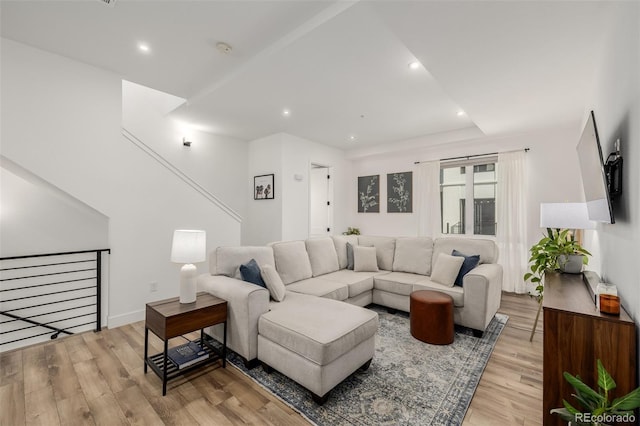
point(594, 178)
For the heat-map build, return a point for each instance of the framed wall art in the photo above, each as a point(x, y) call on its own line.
point(369, 194)
point(399, 192)
point(263, 188)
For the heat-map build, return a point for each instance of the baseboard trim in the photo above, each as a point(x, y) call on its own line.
point(124, 319)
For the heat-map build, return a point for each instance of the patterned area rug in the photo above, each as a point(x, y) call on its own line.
point(409, 382)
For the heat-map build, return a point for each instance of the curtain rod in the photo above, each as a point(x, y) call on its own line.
point(467, 157)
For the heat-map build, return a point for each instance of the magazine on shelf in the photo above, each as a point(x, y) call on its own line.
point(188, 354)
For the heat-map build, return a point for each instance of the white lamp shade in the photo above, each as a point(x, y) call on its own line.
point(189, 246)
point(565, 216)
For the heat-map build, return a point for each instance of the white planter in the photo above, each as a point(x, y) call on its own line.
point(571, 264)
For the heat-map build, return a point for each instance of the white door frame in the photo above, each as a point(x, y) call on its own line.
point(313, 165)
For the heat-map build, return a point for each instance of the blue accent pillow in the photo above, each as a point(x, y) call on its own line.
point(250, 272)
point(469, 263)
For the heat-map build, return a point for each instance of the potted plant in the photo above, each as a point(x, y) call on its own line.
point(597, 410)
point(352, 231)
point(558, 250)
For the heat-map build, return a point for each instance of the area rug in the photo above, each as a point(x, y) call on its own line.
point(408, 383)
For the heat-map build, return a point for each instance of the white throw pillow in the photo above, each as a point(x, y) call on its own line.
point(446, 269)
point(413, 255)
point(364, 259)
point(292, 261)
point(322, 255)
point(274, 284)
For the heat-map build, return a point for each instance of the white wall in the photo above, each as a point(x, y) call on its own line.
point(263, 221)
point(68, 225)
point(616, 104)
point(61, 120)
point(298, 155)
point(218, 163)
point(552, 175)
point(287, 216)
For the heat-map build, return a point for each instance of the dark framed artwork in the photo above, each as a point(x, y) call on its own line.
point(369, 194)
point(400, 192)
point(263, 188)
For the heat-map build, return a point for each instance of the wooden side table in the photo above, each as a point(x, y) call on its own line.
point(169, 318)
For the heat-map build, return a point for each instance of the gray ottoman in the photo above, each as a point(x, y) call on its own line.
point(315, 341)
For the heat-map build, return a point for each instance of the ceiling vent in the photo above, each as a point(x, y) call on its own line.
point(109, 3)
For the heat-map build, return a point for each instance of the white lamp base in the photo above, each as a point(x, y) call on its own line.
point(188, 274)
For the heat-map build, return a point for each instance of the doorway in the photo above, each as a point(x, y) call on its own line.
point(320, 200)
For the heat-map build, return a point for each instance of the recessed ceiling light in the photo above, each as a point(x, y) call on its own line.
point(460, 113)
point(224, 47)
point(144, 47)
point(352, 138)
point(286, 112)
point(414, 65)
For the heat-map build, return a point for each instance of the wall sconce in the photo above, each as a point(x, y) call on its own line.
point(185, 142)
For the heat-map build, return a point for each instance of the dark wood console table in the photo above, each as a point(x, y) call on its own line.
point(169, 318)
point(575, 335)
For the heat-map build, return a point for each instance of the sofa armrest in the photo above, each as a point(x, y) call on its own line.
point(482, 293)
point(245, 304)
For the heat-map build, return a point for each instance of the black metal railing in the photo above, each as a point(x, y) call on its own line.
point(55, 292)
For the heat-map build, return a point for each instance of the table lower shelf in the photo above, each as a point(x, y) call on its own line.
point(211, 346)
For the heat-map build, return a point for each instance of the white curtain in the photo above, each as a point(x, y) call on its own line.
point(511, 234)
point(429, 199)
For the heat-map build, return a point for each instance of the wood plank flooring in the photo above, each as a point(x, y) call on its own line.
point(98, 379)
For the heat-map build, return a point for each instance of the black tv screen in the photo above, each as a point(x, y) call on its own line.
point(594, 180)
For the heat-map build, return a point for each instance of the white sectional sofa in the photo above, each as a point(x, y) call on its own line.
point(320, 334)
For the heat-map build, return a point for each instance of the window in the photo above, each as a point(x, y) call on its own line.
point(469, 183)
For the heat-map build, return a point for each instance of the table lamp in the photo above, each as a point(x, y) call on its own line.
point(188, 247)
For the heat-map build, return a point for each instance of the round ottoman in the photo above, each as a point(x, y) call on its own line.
point(431, 316)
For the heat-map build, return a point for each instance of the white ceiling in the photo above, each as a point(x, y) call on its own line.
point(341, 68)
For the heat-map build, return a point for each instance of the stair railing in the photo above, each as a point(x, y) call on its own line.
point(50, 293)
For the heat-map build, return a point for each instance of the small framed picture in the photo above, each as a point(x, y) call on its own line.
point(263, 187)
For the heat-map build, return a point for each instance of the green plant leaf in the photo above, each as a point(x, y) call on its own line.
point(564, 414)
point(570, 408)
point(630, 401)
point(584, 391)
point(584, 402)
point(527, 276)
point(605, 381)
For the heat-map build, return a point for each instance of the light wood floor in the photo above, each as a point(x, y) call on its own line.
point(97, 378)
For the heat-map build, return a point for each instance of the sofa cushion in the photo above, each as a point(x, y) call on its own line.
point(413, 255)
point(456, 293)
point(320, 330)
point(250, 273)
point(365, 259)
point(446, 269)
point(227, 260)
point(322, 255)
point(358, 282)
point(340, 243)
point(396, 282)
point(292, 261)
point(273, 282)
point(487, 249)
point(385, 248)
point(469, 263)
point(321, 288)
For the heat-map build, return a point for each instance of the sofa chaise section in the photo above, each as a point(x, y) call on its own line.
point(317, 342)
